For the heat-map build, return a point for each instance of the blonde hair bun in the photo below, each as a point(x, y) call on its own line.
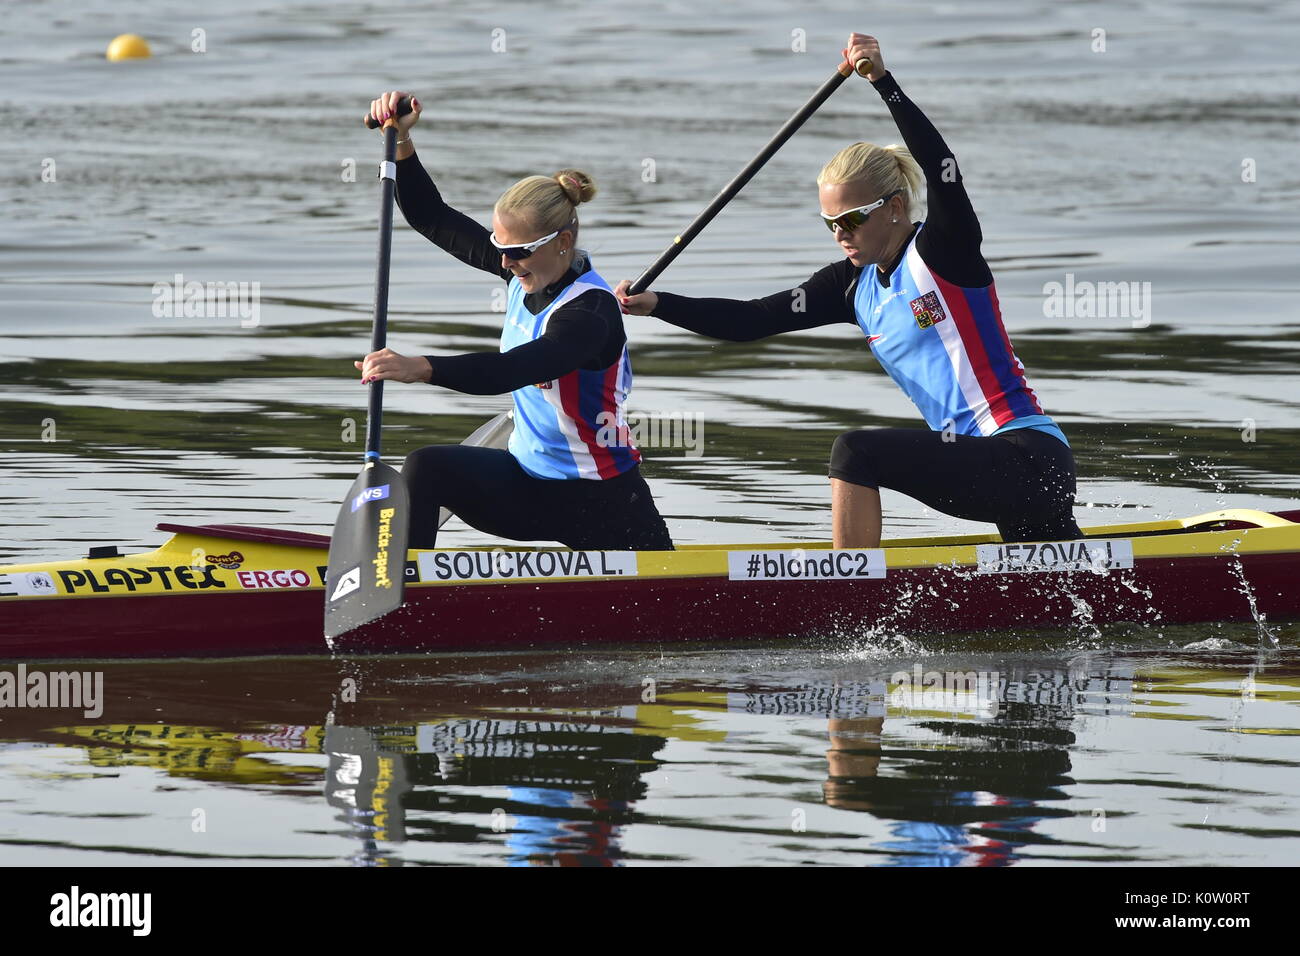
point(577, 185)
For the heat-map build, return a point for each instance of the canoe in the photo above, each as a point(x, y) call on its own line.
point(236, 591)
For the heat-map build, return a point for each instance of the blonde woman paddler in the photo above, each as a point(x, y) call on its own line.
point(563, 358)
point(921, 293)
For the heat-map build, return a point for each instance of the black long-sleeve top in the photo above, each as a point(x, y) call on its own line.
point(949, 244)
point(585, 332)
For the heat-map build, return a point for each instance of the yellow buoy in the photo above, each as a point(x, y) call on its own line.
point(127, 47)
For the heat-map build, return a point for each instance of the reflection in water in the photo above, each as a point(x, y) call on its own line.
point(529, 767)
point(200, 753)
point(970, 790)
point(566, 784)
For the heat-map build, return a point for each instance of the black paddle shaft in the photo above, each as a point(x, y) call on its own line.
point(745, 175)
point(379, 335)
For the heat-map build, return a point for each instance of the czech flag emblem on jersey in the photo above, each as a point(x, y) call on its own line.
point(928, 310)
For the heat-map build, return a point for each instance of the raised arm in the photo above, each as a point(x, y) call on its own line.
point(950, 241)
point(422, 204)
point(447, 228)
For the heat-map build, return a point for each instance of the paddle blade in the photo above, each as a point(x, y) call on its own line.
point(493, 434)
point(368, 551)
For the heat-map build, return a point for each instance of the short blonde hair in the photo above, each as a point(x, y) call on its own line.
point(886, 169)
point(549, 203)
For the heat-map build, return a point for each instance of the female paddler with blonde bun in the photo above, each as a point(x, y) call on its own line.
point(923, 296)
point(563, 358)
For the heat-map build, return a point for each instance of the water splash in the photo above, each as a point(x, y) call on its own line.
point(1083, 615)
point(1266, 634)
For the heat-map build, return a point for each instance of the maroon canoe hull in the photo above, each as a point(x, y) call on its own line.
point(563, 614)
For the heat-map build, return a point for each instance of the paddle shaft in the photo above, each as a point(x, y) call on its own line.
point(863, 67)
point(379, 334)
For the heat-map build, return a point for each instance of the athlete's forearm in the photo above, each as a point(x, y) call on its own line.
point(731, 320)
point(573, 339)
point(496, 373)
point(820, 300)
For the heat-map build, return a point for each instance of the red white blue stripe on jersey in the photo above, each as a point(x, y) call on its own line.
point(946, 347)
point(590, 399)
point(563, 427)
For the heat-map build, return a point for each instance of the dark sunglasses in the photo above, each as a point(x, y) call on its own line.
point(852, 219)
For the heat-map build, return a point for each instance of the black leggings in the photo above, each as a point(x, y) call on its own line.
point(1021, 480)
point(488, 490)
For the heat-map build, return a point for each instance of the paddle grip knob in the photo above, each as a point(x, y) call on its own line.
point(403, 107)
point(863, 66)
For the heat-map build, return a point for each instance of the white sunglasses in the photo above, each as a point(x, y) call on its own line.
point(519, 252)
point(851, 219)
